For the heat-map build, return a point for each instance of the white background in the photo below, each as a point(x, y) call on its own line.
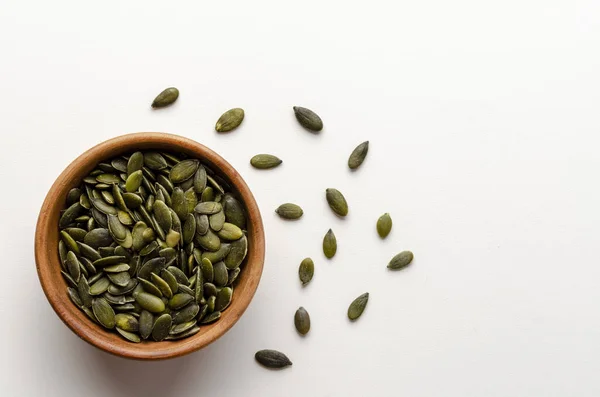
point(483, 118)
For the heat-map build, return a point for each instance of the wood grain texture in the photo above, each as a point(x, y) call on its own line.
point(48, 265)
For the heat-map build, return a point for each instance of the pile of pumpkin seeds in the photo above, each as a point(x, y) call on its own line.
point(151, 244)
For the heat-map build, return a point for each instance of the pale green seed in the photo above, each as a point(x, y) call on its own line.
point(162, 285)
point(230, 232)
point(121, 279)
point(103, 313)
point(208, 208)
point(200, 180)
point(150, 302)
point(217, 221)
point(210, 241)
point(208, 195)
point(134, 181)
point(306, 270)
point(172, 238)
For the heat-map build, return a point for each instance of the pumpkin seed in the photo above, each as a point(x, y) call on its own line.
point(150, 287)
point(230, 232)
point(135, 163)
point(180, 300)
point(155, 161)
point(302, 321)
point(100, 286)
point(73, 196)
point(134, 181)
point(150, 302)
point(172, 238)
point(272, 358)
point(154, 265)
point(230, 120)
point(221, 276)
point(181, 327)
point(234, 212)
point(88, 252)
point(97, 238)
point(211, 318)
point(188, 333)
point(308, 119)
point(207, 270)
point(145, 322)
point(200, 180)
point(120, 267)
point(120, 290)
point(170, 280)
point(336, 201)
point(72, 265)
point(185, 289)
point(223, 299)
point(163, 215)
point(265, 161)
point(202, 224)
point(183, 170)
point(162, 285)
point(179, 203)
point(306, 270)
point(103, 313)
point(77, 233)
point(358, 155)
point(210, 241)
point(119, 164)
point(132, 200)
point(83, 289)
point(208, 194)
point(189, 228)
point(130, 336)
point(74, 296)
point(166, 97)
point(179, 275)
point(108, 178)
point(69, 215)
point(199, 290)
point(115, 300)
point(237, 253)
point(121, 279)
point(384, 225)
point(210, 290)
point(358, 306)
point(186, 314)
point(69, 241)
point(217, 221)
point(208, 208)
point(127, 322)
point(401, 260)
point(289, 211)
point(84, 201)
point(161, 327)
point(233, 275)
point(329, 244)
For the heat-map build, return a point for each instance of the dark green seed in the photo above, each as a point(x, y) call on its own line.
point(211, 318)
point(188, 333)
point(130, 336)
point(74, 296)
point(230, 120)
point(69, 241)
point(207, 270)
point(161, 327)
point(200, 180)
point(100, 286)
point(104, 208)
point(170, 279)
point(358, 306)
point(289, 211)
point(272, 359)
point(223, 299)
point(208, 208)
point(166, 97)
point(329, 244)
point(83, 289)
point(109, 260)
point(358, 155)
point(234, 212)
point(336, 201)
point(121, 279)
point(162, 285)
point(150, 302)
point(72, 265)
point(302, 321)
point(132, 200)
point(237, 252)
point(146, 322)
point(384, 225)
point(73, 196)
point(163, 215)
point(77, 233)
point(103, 313)
point(207, 195)
point(150, 287)
point(69, 215)
point(401, 260)
point(97, 238)
point(220, 274)
point(306, 270)
point(183, 170)
point(155, 161)
point(210, 290)
point(88, 252)
point(308, 119)
point(186, 314)
point(180, 300)
point(265, 161)
point(127, 322)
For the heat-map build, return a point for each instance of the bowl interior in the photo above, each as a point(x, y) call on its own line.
point(48, 262)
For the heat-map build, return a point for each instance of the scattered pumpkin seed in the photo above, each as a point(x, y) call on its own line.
point(230, 120)
point(358, 155)
point(308, 119)
point(166, 97)
point(302, 321)
point(289, 211)
point(272, 359)
point(306, 270)
point(384, 225)
point(401, 260)
point(336, 201)
point(329, 244)
point(265, 161)
point(357, 306)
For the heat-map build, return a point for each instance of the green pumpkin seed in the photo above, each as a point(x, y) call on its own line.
point(208, 195)
point(155, 161)
point(116, 290)
point(208, 208)
point(109, 260)
point(135, 163)
point(119, 164)
point(155, 265)
point(210, 290)
point(336, 201)
point(137, 235)
point(104, 208)
point(121, 279)
point(217, 221)
point(210, 241)
point(150, 288)
point(221, 276)
point(207, 270)
point(358, 155)
point(358, 306)
point(117, 230)
point(132, 200)
point(186, 334)
point(103, 313)
point(108, 178)
point(134, 181)
point(161, 327)
point(272, 359)
point(72, 265)
point(145, 322)
point(150, 302)
point(230, 120)
point(234, 212)
point(180, 300)
point(329, 244)
point(163, 215)
point(180, 205)
point(83, 289)
point(230, 232)
point(118, 268)
point(130, 336)
point(125, 218)
point(211, 318)
point(69, 215)
point(115, 300)
point(74, 296)
point(73, 196)
point(100, 286)
point(202, 224)
point(179, 275)
point(181, 327)
point(186, 314)
point(84, 201)
point(69, 279)
point(162, 285)
point(401, 260)
point(127, 322)
point(308, 119)
point(183, 170)
point(306, 270)
point(237, 253)
point(289, 211)
point(69, 241)
point(172, 238)
point(189, 228)
point(166, 97)
point(97, 238)
point(200, 180)
point(384, 225)
point(184, 289)
point(265, 161)
point(199, 290)
point(302, 321)
point(223, 299)
point(233, 275)
point(78, 234)
point(88, 252)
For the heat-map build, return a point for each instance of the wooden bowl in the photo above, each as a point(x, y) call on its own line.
point(55, 287)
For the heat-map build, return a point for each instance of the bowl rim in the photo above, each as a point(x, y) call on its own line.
point(47, 261)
